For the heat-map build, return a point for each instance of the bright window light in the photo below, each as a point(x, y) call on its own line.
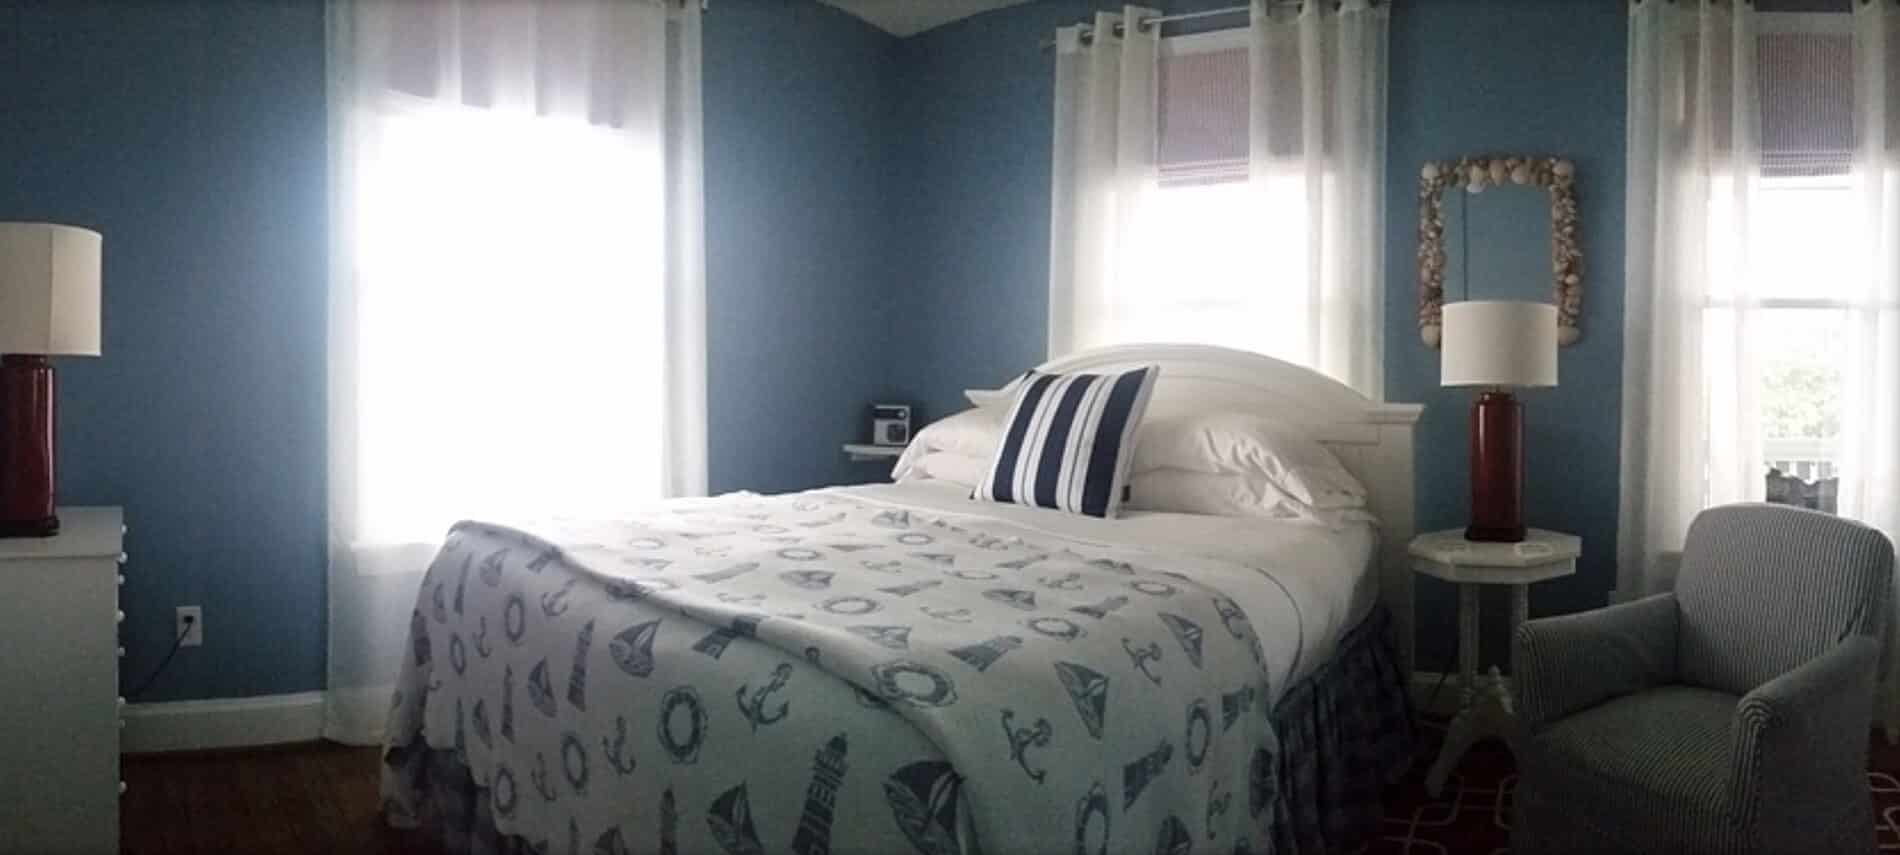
point(510, 318)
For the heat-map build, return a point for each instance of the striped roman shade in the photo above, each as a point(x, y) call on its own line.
point(1069, 440)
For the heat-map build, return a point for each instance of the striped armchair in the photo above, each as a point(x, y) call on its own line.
point(1729, 716)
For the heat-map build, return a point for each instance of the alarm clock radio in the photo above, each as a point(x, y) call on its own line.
point(890, 424)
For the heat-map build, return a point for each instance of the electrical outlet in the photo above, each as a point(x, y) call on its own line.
point(191, 625)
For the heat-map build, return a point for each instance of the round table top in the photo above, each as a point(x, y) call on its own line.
point(1543, 554)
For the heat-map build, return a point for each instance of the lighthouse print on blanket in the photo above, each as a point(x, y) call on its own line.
point(824, 673)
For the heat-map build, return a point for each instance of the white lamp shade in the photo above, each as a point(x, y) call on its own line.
point(1499, 343)
point(49, 289)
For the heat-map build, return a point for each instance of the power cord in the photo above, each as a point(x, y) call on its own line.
point(177, 643)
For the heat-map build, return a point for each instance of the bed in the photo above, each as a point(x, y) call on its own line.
point(895, 668)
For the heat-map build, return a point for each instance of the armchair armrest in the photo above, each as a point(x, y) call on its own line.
point(1790, 732)
point(1560, 665)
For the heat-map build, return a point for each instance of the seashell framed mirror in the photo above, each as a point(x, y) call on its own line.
point(1475, 175)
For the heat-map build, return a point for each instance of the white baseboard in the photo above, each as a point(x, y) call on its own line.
point(222, 723)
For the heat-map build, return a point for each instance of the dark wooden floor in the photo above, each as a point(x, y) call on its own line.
point(321, 798)
point(316, 798)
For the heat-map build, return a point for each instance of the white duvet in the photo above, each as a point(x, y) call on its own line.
point(870, 669)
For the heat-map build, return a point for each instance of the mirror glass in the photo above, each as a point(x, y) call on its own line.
point(1497, 243)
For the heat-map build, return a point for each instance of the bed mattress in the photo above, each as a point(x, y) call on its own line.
point(923, 672)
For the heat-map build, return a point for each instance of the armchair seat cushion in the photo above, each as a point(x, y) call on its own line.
point(1657, 761)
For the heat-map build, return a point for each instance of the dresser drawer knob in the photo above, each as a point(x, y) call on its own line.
point(122, 788)
point(123, 558)
point(121, 702)
point(121, 652)
point(118, 616)
point(121, 580)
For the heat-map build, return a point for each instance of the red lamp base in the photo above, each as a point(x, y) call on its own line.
point(26, 447)
point(1497, 469)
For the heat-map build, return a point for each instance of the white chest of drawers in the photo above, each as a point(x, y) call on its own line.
point(59, 686)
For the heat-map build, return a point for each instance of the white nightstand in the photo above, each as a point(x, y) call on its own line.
point(860, 452)
point(59, 628)
point(1486, 711)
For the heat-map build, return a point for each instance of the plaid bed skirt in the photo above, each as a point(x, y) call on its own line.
point(1345, 733)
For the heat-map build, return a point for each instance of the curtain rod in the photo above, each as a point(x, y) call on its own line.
point(1088, 32)
point(1049, 42)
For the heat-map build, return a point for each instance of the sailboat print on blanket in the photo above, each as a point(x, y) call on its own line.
point(823, 673)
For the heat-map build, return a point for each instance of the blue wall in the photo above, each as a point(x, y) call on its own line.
point(1467, 77)
point(1545, 77)
point(192, 135)
point(796, 103)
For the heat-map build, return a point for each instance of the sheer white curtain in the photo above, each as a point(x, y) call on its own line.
point(1225, 187)
point(517, 309)
point(1764, 266)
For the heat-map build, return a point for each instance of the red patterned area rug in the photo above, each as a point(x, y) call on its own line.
point(1473, 815)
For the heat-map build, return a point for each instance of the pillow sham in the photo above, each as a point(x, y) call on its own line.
point(971, 433)
point(1183, 492)
point(960, 469)
point(1068, 441)
point(1236, 443)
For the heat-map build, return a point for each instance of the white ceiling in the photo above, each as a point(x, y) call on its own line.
point(910, 17)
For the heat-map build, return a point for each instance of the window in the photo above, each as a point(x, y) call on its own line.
point(1782, 316)
point(1207, 221)
point(505, 259)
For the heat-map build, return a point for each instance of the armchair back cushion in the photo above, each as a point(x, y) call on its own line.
point(1765, 588)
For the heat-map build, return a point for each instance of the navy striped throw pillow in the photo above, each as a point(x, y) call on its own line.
point(1069, 440)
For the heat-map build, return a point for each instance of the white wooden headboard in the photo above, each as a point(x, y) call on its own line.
point(1373, 439)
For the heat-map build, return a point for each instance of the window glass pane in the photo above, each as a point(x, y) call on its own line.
point(1801, 247)
point(1217, 264)
point(1801, 354)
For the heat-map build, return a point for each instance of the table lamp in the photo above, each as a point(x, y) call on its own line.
point(1496, 345)
point(49, 306)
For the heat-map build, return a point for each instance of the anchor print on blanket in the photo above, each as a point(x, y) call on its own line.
point(862, 646)
point(1144, 657)
point(1022, 739)
point(1217, 801)
point(618, 755)
point(752, 702)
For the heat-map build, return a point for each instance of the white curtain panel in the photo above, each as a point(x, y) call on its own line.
point(1223, 188)
point(1763, 234)
point(517, 291)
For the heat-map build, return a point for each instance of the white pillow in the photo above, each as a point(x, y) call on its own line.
point(1171, 490)
point(971, 433)
point(1183, 492)
point(991, 398)
point(961, 469)
point(1232, 443)
point(1217, 443)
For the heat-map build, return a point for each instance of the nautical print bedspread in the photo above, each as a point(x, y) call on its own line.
point(815, 672)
